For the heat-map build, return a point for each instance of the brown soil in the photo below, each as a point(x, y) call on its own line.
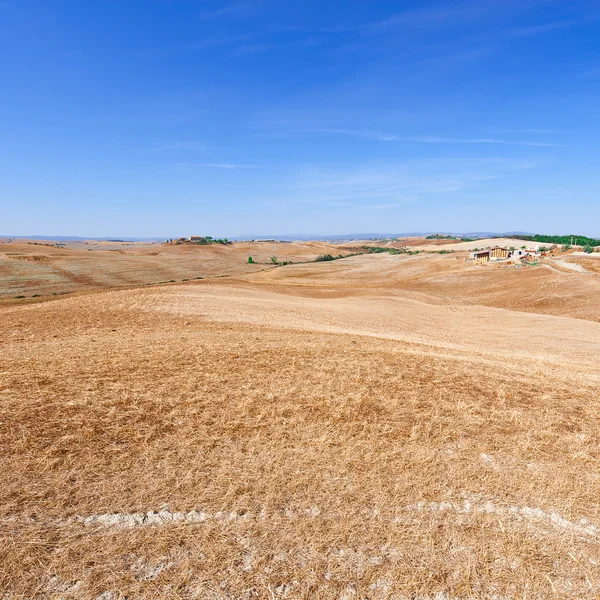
point(590, 263)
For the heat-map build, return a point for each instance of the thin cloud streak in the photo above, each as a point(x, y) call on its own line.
point(442, 140)
point(476, 45)
point(592, 72)
point(536, 131)
point(466, 12)
point(253, 49)
point(218, 165)
point(428, 17)
point(225, 11)
point(422, 139)
point(191, 145)
point(370, 188)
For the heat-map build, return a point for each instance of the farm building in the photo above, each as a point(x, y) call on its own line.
point(481, 256)
point(521, 253)
point(499, 253)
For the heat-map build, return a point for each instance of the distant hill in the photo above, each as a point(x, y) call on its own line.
point(374, 236)
point(76, 238)
point(524, 235)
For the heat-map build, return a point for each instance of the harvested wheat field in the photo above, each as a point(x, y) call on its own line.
point(378, 427)
point(42, 269)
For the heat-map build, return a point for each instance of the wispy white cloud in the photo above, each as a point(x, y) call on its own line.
point(592, 72)
point(535, 131)
point(210, 42)
point(183, 145)
point(541, 28)
point(218, 165)
point(247, 49)
point(376, 187)
point(215, 41)
point(467, 11)
point(428, 17)
point(422, 139)
point(191, 146)
point(461, 17)
point(412, 18)
point(214, 161)
point(224, 11)
point(449, 140)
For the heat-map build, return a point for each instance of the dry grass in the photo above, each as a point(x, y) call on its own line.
point(545, 289)
point(342, 430)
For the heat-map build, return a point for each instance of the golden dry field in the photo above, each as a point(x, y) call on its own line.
point(377, 427)
point(42, 269)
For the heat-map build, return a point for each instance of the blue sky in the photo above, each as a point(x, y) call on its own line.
point(177, 117)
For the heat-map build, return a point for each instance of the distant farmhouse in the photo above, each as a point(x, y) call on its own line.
point(499, 253)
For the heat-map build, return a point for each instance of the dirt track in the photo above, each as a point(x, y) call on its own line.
point(376, 427)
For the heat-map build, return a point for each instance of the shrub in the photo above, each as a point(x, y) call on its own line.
point(250, 260)
point(18, 297)
point(588, 249)
point(375, 249)
point(273, 260)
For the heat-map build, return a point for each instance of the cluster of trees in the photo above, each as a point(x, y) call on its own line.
point(381, 249)
point(375, 249)
point(204, 241)
point(561, 240)
point(439, 236)
point(327, 257)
